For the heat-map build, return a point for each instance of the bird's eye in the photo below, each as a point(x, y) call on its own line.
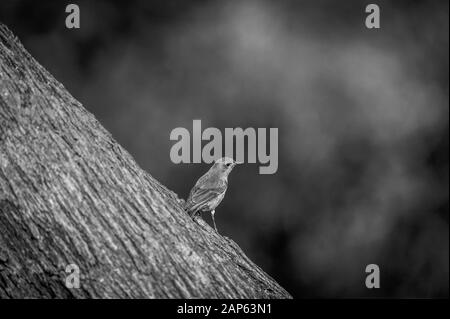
point(228, 164)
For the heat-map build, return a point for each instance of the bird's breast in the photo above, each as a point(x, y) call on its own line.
point(216, 201)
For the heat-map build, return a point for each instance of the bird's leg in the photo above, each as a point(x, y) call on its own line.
point(212, 215)
point(195, 215)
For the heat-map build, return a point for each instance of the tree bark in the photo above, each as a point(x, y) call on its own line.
point(70, 194)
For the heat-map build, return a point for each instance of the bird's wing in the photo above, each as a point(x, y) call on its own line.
point(202, 194)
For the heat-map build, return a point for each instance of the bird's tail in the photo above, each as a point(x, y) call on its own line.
point(190, 208)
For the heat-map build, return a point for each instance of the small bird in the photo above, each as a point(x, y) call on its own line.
point(210, 189)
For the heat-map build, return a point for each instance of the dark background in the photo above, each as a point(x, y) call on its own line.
point(362, 117)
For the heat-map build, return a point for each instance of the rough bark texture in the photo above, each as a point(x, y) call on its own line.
point(69, 194)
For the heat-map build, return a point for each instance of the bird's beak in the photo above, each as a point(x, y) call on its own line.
point(236, 163)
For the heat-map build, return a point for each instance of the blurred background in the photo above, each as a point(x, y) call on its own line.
point(362, 117)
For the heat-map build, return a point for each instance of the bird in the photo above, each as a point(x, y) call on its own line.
point(210, 189)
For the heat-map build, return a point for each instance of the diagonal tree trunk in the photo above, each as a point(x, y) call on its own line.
point(69, 194)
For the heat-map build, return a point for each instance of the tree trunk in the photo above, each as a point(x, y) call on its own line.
point(70, 194)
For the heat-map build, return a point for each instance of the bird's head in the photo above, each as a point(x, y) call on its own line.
point(224, 165)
